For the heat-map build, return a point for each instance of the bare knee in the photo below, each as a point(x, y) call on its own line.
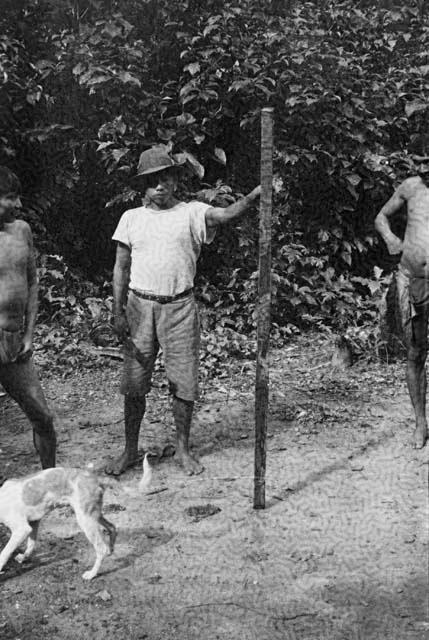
point(43, 426)
point(34, 405)
point(417, 354)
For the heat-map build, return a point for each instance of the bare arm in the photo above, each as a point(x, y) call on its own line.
point(394, 244)
point(222, 215)
point(121, 278)
point(30, 313)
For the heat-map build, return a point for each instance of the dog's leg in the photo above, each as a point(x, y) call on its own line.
point(31, 543)
point(20, 533)
point(94, 532)
point(111, 531)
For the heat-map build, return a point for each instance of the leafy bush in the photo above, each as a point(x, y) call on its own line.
point(85, 87)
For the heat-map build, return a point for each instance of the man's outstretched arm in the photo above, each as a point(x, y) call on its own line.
point(222, 215)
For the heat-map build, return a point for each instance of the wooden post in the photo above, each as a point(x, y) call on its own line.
point(263, 309)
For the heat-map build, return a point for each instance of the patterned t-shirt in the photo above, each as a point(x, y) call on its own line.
point(165, 245)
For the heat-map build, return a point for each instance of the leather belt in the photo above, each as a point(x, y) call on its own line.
point(161, 299)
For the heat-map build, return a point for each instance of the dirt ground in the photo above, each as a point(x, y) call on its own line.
point(340, 552)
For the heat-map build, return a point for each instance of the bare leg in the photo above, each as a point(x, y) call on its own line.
point(182, 412)
point(416, 379)
point(46, 448)
point(134, 408)
point(22, 383)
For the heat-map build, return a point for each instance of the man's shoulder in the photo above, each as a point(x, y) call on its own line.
point(131, 216)
point(135, 211)
point(410, 185)
point(195, 205)
point(20, 227)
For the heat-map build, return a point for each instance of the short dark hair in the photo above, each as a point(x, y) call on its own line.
point(9, 182)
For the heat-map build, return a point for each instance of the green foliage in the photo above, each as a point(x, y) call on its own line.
point(87, 85)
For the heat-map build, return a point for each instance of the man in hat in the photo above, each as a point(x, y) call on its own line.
point(18, 308)
point(411, 284)
point(158, 245)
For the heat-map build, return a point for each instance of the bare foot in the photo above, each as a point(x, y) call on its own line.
point(189, 465)
point(122, 463)
point(420, 435)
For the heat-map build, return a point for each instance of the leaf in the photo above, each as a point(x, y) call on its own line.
point(96, 79)
point(192, 162)
point(104, 145)
point(119, 153)
point(77, 70)
point(353, 179)
point(346, 257)
point(199, 138)
point(193, 68)
point(416, 106)
point(127, 77)
point(41, 65)
point(374, 287)
point(220, 155)
point(166, 134)
point(185, 119)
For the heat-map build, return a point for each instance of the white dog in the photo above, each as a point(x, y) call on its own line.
point(24, 502)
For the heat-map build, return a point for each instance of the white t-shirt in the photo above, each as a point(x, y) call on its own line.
point(165, 245)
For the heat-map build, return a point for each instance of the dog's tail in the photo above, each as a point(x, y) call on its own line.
point(146, 478)
point(133, 490)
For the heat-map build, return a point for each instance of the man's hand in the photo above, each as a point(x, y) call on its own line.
point(394, 246)
point(222, 215)
point(27, 347)
point(255, 193)
point(121, 327)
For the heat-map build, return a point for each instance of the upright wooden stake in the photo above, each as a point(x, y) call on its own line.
point(264, 307)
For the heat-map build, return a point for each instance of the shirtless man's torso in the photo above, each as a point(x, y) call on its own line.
point(414, 272)
point(18, 309)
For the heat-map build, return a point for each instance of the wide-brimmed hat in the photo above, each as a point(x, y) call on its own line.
point(157, 159)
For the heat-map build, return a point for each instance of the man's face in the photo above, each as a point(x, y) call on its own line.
point(9, 202)
point(160, 188)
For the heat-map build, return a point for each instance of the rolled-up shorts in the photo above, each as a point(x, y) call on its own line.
point(174, 327)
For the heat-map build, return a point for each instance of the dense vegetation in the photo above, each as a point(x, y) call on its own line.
point(86, 85)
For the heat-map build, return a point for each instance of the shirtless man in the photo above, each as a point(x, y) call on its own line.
point(412, 282)
point(18, 308)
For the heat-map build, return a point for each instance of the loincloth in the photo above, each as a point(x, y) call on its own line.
point(406, 298)
point(10, 346)
point(412, 293)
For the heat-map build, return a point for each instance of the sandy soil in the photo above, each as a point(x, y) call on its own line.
point(340, 552)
